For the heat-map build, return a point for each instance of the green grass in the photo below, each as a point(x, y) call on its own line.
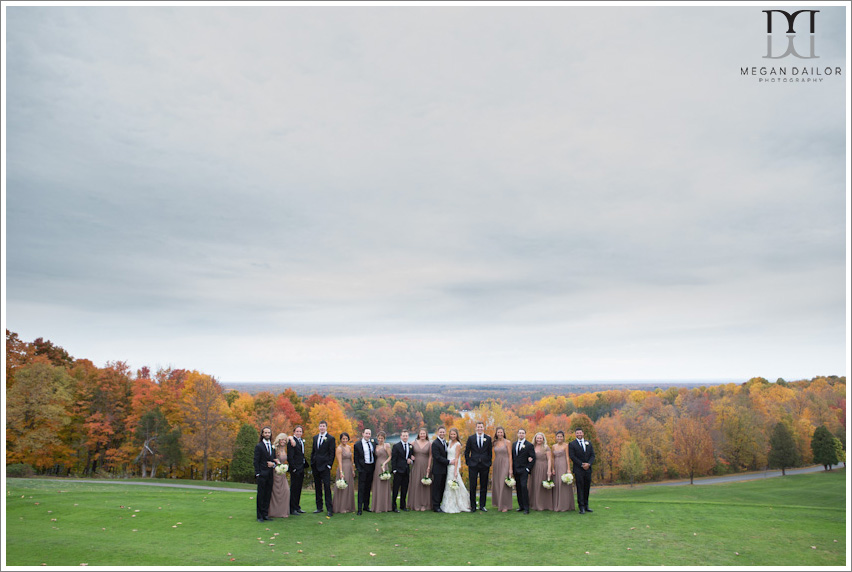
point(798, 520)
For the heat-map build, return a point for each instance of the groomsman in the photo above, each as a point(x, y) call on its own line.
point(263, 463)
point(522, 463)
point(477, 456)
point(365, 463)
point(322, 457)
point(402, 455)
point(439, 469)
point(297, 462)
point(582, 455)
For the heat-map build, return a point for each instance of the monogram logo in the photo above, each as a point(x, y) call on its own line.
point(790, 34)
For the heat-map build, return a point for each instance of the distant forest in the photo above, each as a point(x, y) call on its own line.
point(66, 416)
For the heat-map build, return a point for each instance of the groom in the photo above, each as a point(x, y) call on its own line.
point(582, 456)
point(439, 469)
point(477, 456)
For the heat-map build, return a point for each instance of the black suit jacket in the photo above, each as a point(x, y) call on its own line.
point(399, 464)
point(520, 462)
point(439, 458)
point(358, 453)
point(261, 457)
point(323, 457)
point(295, 457)
point(477, 457)
point(578, 456)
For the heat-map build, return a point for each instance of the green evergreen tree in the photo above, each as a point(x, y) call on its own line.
point(782, 449)
point(841, 452)
point(822, 444)
point(242, 462)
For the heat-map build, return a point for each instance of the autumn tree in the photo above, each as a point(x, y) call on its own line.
point(692, 449)
point(205, 419)
point(824, 448)
point(632, 462)
point(782, 448)
point(37, 407)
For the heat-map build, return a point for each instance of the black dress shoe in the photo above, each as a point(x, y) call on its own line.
point(260, 520)
point(520, 510)
point(359, 513)
point(294, 513)
point(582, 511)
point(367, 510)
point(589, 510)
point(267, 518)
point(437, 509)
point(527, 511)
point(330, 513)
point(300, 511)
point(395, 510)
point(483, 509)
point(317, 511)
point(406, 509)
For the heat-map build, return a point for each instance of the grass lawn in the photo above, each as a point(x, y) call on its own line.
point(798, 520)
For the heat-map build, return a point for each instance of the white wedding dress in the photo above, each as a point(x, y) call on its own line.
point(455, 500)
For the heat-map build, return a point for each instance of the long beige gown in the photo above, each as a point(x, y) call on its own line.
point(343, 500)
point(540, 497)
point(501, 493)
point(381, 498)
point(563, 495)
point(419, 495)
point(279, 502)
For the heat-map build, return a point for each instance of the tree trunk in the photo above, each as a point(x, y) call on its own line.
point(783, 472)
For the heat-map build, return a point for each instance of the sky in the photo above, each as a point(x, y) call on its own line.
point(434, 193)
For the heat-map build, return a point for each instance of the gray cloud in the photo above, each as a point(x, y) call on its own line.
point(412, 193)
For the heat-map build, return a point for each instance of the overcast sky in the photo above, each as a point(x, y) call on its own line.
point(426, 193)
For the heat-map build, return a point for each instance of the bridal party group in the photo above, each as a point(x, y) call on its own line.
point(419, 475)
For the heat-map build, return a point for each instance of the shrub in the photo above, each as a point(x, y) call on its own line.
point(19, 470)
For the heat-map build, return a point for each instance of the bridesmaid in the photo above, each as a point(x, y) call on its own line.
point(344, 499)
point(382, 489)
point(279, 502)
point(420, 495)
point(563, 495)
point(501, 493)
point(540, 497)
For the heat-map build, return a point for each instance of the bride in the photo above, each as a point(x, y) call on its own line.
point(458, 499)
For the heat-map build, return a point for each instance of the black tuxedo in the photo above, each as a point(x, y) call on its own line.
point(522, 464)
point(322, 458)
point(296, 459)
point(263, 475)
point(439, 472)
point(399, 466)
point(478, 461)
point(582, 477)
point(365, 471)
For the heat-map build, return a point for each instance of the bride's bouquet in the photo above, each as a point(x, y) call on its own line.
point(341, 483)
point(385, 475)
point(426, 481)
point(281, 469)
point(567, 478)
point(454, 485)
point(548, 484)
point(510, 482)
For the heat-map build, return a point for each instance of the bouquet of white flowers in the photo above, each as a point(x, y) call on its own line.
point(426, 481)
point(567, 478)
point(385, 475)
point(454, 485)
point(341, 483)
point(548, 484)
point(281, 469)
point(510, 482)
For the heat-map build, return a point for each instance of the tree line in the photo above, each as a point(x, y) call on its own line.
point(66, 416)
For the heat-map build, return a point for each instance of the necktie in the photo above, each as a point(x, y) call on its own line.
point(519, 447)
point(369, 452)
point(321, 439)
point(583, 443)
point(302, 443)
point(480, 441)
point(268, 448)
point(405, 446)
